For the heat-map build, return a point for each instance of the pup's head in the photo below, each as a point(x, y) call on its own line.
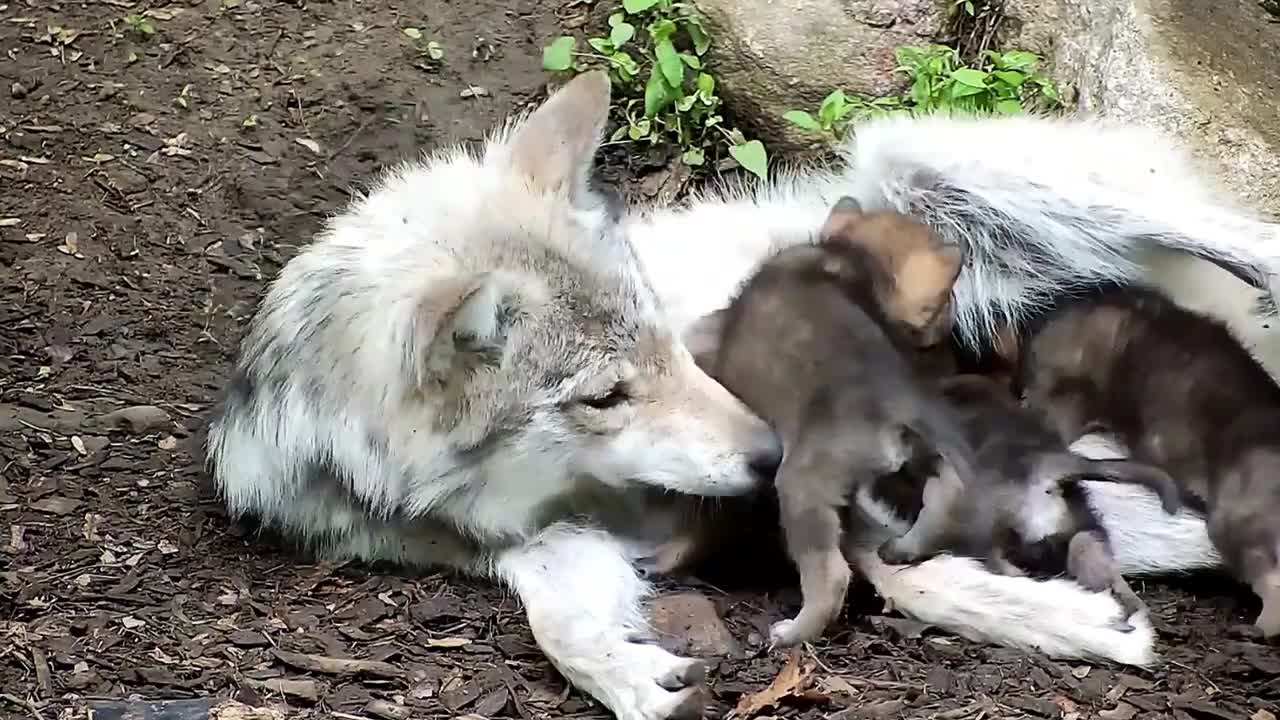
point(917, 270)
point(552, 357)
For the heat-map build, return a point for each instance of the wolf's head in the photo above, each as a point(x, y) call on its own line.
point(544, 351)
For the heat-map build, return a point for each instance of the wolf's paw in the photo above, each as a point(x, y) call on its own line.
point(899, 551)
point(650, 683)
point(783, 634)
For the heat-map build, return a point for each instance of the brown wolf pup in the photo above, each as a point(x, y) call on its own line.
point(814, 344)
point(1180, 391)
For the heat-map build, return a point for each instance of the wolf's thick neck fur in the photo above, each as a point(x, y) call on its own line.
point(473, 366)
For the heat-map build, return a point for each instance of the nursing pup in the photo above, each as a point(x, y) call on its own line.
point(811, 344)
point(1179, 391)
point(1042, 521)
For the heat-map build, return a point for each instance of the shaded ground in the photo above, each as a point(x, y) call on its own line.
point(148, 186)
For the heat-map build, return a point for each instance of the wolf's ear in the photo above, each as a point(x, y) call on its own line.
point(844, 213)
point(555, 145)
point(464, 324)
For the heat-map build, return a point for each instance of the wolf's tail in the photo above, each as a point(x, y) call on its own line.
point(1056, 617)
point(1044, 206)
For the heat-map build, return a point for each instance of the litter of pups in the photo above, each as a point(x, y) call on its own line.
point(840, 346)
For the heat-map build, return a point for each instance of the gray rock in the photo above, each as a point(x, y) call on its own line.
point(772, 56)
point(1202, 71)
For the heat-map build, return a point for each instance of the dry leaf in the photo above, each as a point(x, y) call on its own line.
point(10, 222)
point(78, 444)
point(166, 547)
point(790, 682)
point(1081, 672)
point(452, 642)
point(99, 158)
point(311, 145)
point(1262, 714)
point(168, 443)
point(131, 623)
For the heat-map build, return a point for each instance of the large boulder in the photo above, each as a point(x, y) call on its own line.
point(1206, 72)
point(772, 56)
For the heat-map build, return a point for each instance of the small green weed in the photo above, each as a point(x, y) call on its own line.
point(1004, 83)
point(664, 92)
point(140, 25)
point(430, 53)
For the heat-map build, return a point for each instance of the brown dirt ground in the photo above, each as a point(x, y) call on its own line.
point(135, 237)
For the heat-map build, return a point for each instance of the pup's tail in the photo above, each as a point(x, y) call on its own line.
point(1044, 206)
point(1056, 617)
point(1072, 468)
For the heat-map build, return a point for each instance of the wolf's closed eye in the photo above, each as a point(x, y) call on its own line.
point(616, 396)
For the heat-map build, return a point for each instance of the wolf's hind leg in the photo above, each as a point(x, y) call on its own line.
point(583, 599)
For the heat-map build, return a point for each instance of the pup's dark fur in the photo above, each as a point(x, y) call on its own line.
point(812, 345)
point(1182, 393)
point(1042, 521)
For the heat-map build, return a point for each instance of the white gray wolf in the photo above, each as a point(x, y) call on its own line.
point(1180, 392)
point(814, 344)
point(472, 366)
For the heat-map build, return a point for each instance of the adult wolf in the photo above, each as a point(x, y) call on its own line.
point(473, 366)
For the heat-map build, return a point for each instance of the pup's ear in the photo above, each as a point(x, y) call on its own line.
point(464, 324)
point(702, 338)
point(554, 147)
point(843, 214)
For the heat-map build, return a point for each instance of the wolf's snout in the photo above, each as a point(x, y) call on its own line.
point(766, 455)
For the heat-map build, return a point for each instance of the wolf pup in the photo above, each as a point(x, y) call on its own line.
point(811, 344)
point(1042, 518)
point(1177, 389)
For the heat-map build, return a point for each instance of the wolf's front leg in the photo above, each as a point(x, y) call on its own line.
point(583, 598)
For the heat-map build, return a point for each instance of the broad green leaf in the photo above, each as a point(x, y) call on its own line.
point(616, 18)
point(625, 63)
point(1016, 60)
point(1049, 90)
point(669, 61)
point(701, 40)
point(1010, 77)
point(618, 134)
point(686, 102)
point(706, 84)
point(691, 60)
point(693, 157)
point(636, 6)
point(412, 33)
point(661, 30)
point(969, 76)
point(752, 157)
point(621, 34)
point(1009, 107)
point(601, 45)
point(831, 106)
point(559, 54)
point(802, 119)
point(656, 96)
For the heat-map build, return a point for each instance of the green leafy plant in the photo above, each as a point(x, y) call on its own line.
point(140, 25)
point(664, 92)
point(1003, 83)
point(837, 111)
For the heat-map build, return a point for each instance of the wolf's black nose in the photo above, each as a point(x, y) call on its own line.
point(767, 454)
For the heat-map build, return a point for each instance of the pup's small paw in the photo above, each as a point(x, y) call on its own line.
point(782, 634)
point(896, 552)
